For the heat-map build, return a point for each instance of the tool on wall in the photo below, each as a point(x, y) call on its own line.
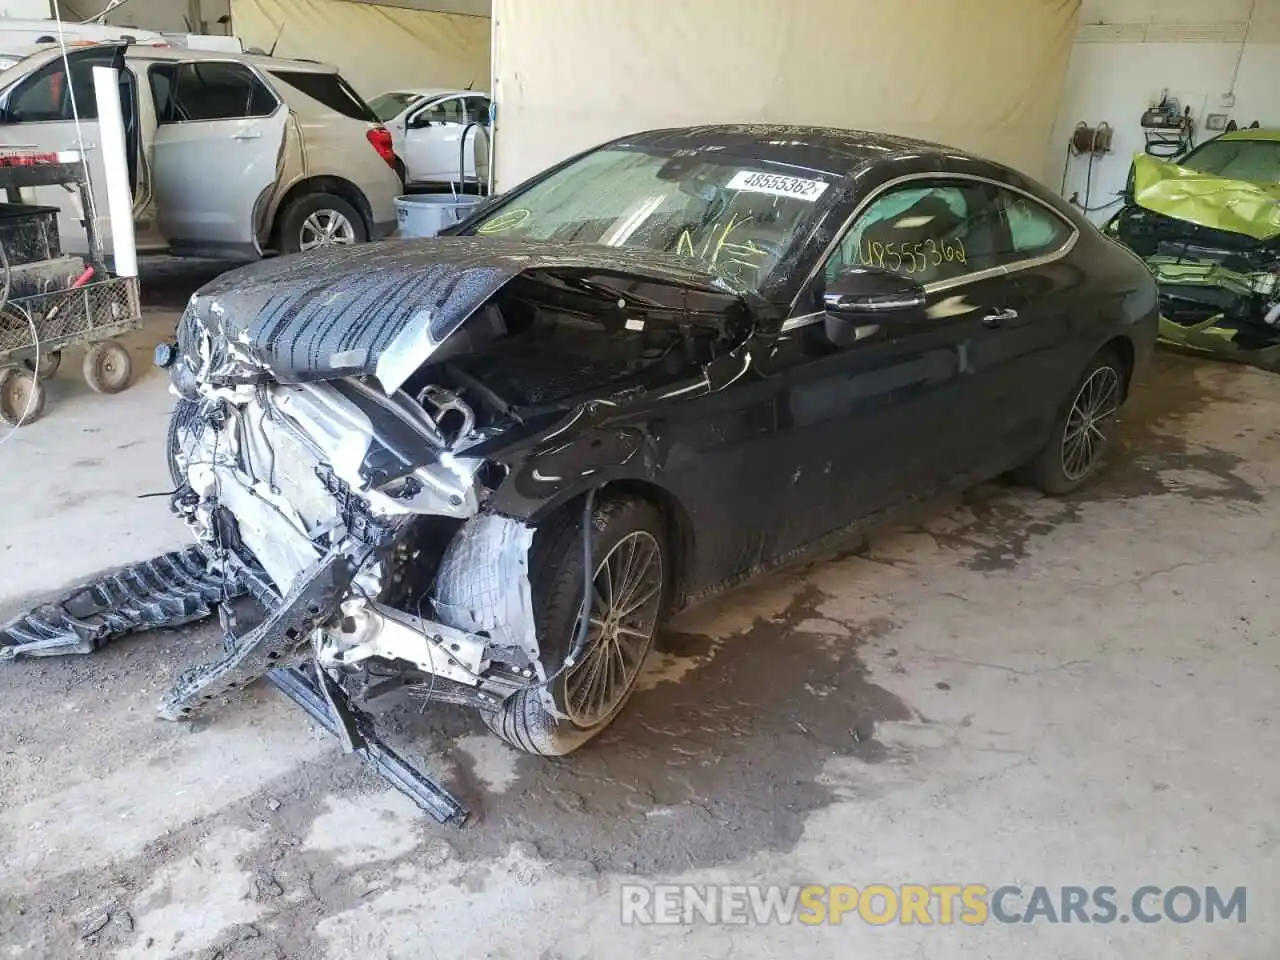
point(1168, 128)
point(1092, 142)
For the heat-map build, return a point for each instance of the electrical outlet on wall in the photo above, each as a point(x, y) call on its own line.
point(1215, 121)
point(1228, 100)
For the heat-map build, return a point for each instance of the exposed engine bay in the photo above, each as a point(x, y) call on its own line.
point(371, 526)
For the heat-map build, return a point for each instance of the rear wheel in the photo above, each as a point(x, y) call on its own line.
point(107, 367)
point(318, 220)
point(1083, 430)
point(628, 597)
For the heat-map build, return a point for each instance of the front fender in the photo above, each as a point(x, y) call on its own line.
point(542, 479)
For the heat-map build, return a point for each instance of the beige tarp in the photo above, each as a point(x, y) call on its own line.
point(985, 75)
point(376, 48)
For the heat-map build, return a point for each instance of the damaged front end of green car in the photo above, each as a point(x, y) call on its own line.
point(1213, 244)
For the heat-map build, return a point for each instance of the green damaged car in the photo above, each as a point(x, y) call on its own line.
point(1209, 228)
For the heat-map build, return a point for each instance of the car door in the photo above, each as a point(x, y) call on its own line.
point(903, 411)
point(219, 135)
point(43, 112)
point(1035, 346)
point(432, 138)
point(477, 137)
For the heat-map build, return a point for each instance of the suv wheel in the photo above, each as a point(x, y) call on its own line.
point(319, 220)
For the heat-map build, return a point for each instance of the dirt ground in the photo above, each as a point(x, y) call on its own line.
point(1006, 689)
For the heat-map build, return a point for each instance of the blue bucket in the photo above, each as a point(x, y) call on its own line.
point(425, 215)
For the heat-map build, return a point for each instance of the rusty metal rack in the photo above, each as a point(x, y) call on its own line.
point(55, 301)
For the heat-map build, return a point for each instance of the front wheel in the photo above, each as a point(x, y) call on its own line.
point(628, 597)
point(1083, 430)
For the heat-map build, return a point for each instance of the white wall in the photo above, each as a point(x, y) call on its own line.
point(984, 75)
point(377, 48)
point(1128, 51)
point(25, 9)
point(167, 15)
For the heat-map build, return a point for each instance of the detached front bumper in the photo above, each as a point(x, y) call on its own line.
point(1208, 308)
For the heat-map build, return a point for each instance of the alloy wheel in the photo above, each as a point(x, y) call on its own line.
point(626, 602)
point(326, 228)
point(1085, 436)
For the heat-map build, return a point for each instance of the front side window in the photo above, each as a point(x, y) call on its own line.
point(734, 217)
point(477, 110)
point(930, 232)
point(46, 95)
point(208, 90)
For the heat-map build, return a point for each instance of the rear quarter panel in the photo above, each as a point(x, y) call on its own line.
point(323, 142)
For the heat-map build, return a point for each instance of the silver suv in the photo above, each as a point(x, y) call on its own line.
point(230, 155)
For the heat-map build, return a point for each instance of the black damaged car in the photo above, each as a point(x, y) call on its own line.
point(674, 361)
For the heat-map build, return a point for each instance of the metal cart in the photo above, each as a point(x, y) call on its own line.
point(55, 301)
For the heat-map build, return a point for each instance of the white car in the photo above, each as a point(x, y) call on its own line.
point(230, 155)
point(427, 126)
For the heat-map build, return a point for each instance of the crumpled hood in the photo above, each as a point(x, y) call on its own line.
point(382, 309)
point(1237, 206)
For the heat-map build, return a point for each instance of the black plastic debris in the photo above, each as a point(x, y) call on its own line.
point(170, 590)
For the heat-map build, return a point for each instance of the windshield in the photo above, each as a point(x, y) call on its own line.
point(735, 218)
point(388, 106)
point(1256, 160)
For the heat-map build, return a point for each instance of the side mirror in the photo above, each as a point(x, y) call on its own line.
point(864, 297)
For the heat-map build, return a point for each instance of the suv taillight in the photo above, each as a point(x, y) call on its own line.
point(380, 138)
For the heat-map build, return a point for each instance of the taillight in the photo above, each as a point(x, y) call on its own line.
point(380, 138)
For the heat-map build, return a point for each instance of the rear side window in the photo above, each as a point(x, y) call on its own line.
point(329, 89)
point(208, 90)
point(1034, 231)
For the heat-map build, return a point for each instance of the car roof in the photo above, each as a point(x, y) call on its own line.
point(157, 54)
point(147, 52)
point(1256, 133)
point(827, 149)
point(432, 91)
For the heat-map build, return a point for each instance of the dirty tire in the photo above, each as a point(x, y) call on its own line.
point(295, 216)
point(107, 367)
point(50, 360)
point(556, 574)
point(184, 414)
point(1102, 387)
point(22, 397)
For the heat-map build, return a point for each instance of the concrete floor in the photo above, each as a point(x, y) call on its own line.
point(1012, 690)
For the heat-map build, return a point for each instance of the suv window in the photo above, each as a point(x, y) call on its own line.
point(329, 89)
point(930, 232)
point(208, 90)
point(45, 95)
point(1034, 230)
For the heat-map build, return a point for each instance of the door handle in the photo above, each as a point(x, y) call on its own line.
point(247, 135)
point(998, 319)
